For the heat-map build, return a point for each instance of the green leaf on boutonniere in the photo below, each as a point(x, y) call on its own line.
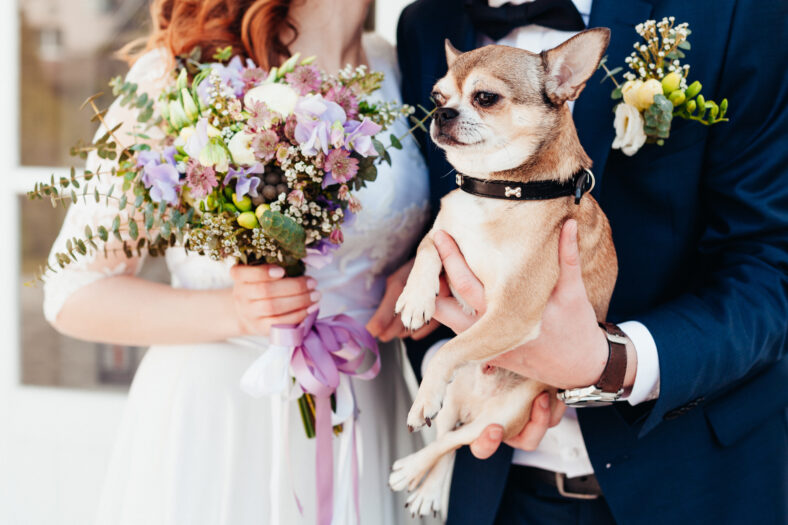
point(658, 117)
point(616, 94)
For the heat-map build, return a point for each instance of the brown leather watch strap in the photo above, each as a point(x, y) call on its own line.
point(615, 371)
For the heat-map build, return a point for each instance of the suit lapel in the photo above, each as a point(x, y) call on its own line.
point(593, 113)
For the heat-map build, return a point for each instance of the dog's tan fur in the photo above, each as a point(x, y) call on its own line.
point(511, 246)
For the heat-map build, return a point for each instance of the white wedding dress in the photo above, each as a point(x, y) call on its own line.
point(193, 448)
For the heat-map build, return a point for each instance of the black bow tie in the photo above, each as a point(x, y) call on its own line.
point(497, 22)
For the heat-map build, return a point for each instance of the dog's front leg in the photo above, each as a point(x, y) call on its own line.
point(416, 304)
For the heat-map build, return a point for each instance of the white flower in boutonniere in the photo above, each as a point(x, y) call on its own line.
point(656, 88)
point(629, 129)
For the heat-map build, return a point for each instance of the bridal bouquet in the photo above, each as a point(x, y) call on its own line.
point(230, 161)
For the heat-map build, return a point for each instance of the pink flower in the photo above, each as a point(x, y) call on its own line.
point(354, 204)
point(296, 197)
point(336, 236)
point(290, 127)
point(304, 79)
point(339, 167)
point(201, 179)
point(343, 193)
point(281, 153)
point(264, 145)
point(261, 117)
point(252, 77)
point(345, 98)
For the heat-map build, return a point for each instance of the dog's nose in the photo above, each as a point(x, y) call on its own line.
point(443, 115)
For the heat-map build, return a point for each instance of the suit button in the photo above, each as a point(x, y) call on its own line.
point(671, 415)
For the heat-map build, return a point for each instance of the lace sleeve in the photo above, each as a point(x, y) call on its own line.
point(149, 73)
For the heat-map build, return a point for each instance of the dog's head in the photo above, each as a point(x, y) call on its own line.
point(498, 104)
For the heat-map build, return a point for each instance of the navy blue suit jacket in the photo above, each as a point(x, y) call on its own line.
point(701, 230)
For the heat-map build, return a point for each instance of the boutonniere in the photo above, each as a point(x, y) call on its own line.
point(656, 88)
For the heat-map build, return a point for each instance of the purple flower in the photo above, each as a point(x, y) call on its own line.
point(304, 79)
point(320, 254)
point(162, 180)
point(315, 123)
point(340, 167)
point(359, 136)
point(198, 140)
point(231, 75)
point(245, 182)
point(201, 180)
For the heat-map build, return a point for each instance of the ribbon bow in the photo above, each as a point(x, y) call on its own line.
point(318, 351)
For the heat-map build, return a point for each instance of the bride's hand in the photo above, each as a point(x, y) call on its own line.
point(385, 324)
point(263, 297)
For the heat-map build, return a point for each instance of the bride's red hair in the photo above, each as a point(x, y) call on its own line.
point(254, 28)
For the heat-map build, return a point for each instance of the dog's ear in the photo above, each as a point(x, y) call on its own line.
point(451, 52)
point(571, 64)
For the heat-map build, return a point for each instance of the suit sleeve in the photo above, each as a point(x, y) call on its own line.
point(733, 323)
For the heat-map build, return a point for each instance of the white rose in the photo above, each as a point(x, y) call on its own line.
point(240, 147)
point(278, 97)
point(630, 136)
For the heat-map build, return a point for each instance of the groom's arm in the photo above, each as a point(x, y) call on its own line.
point(733, 321)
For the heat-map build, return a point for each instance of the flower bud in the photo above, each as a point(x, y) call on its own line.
point(691, 107)
point(671, 83)
point(629, 91)
point(248, 220)
point(693, 89)
point(646, 93)
point(178, 117)
point(182, 81)
point(723, 107)
point(261, 210)
point(714, 111)
point(677, 98)
point(243, 204)
point(189, 105)
point(289, 64)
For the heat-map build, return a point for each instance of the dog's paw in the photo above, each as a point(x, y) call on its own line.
point(427, 498)
point(428, 402)
point(407, 473)
point(416, 305)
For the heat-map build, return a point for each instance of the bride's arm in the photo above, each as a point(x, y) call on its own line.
point(129, 310)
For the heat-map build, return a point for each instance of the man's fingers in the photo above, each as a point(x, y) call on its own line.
point(570, 273)
point(537, 426)
point(460, 276)
point(485, 445)
point(448, 312)
point(557, 410)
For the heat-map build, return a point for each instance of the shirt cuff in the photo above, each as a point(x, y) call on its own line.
point(431, 352)
point(646, 386)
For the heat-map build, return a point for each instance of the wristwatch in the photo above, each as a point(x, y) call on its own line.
point(610, 386)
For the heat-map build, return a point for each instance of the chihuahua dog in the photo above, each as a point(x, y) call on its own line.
point(504, 122)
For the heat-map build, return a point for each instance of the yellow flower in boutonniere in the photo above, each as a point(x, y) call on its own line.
point(656, 88)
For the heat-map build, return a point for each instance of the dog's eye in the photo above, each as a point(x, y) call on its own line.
point(438, 98)
point(485, 98)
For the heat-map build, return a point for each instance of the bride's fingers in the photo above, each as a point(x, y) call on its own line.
point(269, 289)
point(384, 317)
point(253, 274)
point(263, 325)
point(394, 330)
point(282, 305)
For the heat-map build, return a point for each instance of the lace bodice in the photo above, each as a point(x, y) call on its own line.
point(395, 211)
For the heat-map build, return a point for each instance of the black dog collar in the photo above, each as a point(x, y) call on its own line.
point(581, 182)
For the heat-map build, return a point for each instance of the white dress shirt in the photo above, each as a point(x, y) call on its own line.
point(563, 448)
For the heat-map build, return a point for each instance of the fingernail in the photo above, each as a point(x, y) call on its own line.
point(311, 284)
point(495, 433)
point(312, 309)
point(276, 272)
point(315, 296)
point(544, 402)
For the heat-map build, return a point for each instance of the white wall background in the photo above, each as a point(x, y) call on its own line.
point(54, 443)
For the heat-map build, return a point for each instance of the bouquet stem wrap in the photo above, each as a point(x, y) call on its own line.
point(319, 351)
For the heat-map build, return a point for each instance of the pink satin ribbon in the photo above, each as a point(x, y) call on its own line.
point(322, 349)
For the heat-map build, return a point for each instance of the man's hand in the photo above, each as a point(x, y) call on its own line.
point(385, 324)
point(571, 350)
point(546, 412)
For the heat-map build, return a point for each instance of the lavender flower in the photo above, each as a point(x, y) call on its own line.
point(316, 118)
point(359, 136)
point(162, 180)
point(246, 183)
